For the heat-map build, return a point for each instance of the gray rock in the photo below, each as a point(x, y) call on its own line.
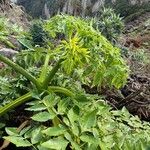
point(8, 52)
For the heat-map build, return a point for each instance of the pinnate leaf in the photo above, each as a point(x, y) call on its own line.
point(89, 119)
point(43, 116)
point(54, 131)
point(18, 141)
point(57, 144)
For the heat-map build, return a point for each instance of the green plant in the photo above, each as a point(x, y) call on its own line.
point(77, 50)
point(125, 8)
point(7, 29)
point(39, 37)
point(83, 55)
point(6, 91)
point(134, 16)
point(109, 24)
point(82, 122)
point(140, 56)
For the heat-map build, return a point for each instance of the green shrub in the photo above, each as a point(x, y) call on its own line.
point(125, 8)
point(63, 115)
point(39, 36)
point(83, 122)
point(88, 43)
point(109, 24)
point(6, 30)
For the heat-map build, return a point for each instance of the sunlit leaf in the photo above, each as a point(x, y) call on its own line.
point(57, 144)
point(43, 116)
point(18, 141)
point(54, 131)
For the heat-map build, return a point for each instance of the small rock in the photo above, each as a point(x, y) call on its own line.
point(8, 52)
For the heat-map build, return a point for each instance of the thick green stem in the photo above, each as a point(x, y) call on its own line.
point(51, 74)
point(15, 103)
point(28, 96)
point(44, 69)
point(20, 70)
point(57, 89)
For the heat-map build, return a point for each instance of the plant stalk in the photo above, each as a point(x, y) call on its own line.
point(28, 96)
point(51, 74)
point(15, 103)
point(57, 89)
point(44, 68)
point(22, 71)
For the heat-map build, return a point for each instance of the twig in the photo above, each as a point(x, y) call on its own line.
point(128, 99)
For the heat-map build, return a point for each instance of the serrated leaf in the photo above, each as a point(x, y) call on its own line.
point(22, 132)
point(18, 141)
point(66, 121)
point(54, 131)
point(33, 103)
point(89, 119)
point(11, 131)
point(89, 138)
point(75, 129)
point(57, 144)
point(62, 105)
point(68, 136)
point(92, 147)
point(43, 116)
point(81, 98)
point(98, 77)
point(51, 100)
point(75, 146)
point(38, 107)
point(73, 114)
point(36, 136)
point(43, 148)
point(26, 43)
point(36, 95)
point(28, 134)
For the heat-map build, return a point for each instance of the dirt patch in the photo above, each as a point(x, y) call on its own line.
point(135, 96)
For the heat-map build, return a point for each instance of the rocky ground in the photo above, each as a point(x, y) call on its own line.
point(136, 94)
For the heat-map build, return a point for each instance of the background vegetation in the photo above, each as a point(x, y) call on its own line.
point(46, 8)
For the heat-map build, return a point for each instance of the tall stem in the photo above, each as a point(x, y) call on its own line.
point(57, 89)
point(28, 97)
point(20, 70)
point(51, 74)
point(15, 103)
point(44, 69)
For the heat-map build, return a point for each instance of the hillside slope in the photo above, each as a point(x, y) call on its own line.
point(47, 8)
point(136, 45)
point(13, 13)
